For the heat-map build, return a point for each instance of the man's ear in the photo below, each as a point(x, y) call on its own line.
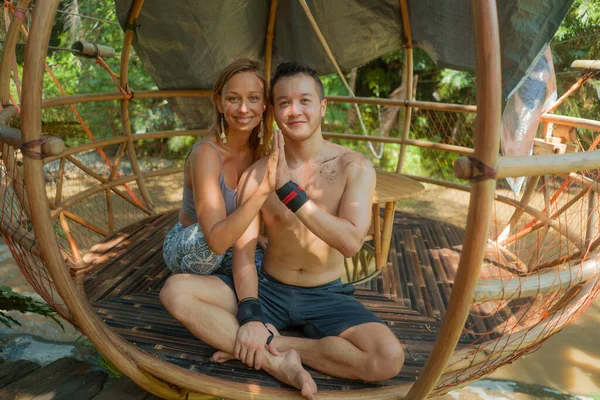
point(323, 107)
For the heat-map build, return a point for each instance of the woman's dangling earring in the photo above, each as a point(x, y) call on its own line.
point(222, 134)
point(261, 132)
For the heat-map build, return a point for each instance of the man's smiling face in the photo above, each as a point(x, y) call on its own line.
point(297, 106)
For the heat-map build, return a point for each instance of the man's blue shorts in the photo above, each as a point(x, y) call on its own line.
point(326, 310)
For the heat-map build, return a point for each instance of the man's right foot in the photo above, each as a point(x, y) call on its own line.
point(287, 368)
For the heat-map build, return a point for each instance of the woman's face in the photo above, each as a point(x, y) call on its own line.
point(242, 102)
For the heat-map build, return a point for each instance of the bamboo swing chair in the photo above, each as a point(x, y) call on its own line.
point(463, 299)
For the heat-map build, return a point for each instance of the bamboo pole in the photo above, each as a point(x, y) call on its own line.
point(440, 182)
point(586, 64)
point(86, 169)
point(546, 227)
point(564, 230)
point(117, 161)
point(109, 211)
point(83, 317)
point(386, 234)
point(573, 256)
point(534, 165)
point(584, 181)
point(122, 139)
point(162, 172)
point(60, 179)
point(108, 96)
point(269, 38)
point(125, 54)
point(69, 236)
point(169, 134)
point(527, 195)
point(426, 105)
point(538, 284)
point(85, 223)
point(8, 52)
point(568, 93)
point(571, 121)
point(408, 65)
point(539, 225)
point(52, 146)
point(69, 151)
point(591, 229)
point(377, 234)
point(419, 143)
point(482, 194)
point(71, 201)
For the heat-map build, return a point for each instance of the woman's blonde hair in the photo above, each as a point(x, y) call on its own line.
point(236, 67)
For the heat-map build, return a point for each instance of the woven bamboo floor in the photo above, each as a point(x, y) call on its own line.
point(410, 295)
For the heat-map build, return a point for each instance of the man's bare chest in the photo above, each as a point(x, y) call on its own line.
point(325, 188)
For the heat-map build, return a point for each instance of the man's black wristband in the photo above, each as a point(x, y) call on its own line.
point(249, 309)
point(292, 195)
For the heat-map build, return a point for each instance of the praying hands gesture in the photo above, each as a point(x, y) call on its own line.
point(270, 183)
point(283, 171)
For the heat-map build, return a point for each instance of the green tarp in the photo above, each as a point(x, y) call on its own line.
point(185, 43)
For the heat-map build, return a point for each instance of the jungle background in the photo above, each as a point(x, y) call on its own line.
point(95, 21)
point(577, 38)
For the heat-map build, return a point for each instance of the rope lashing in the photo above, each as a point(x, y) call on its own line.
point(127, 92)
point(27, 148)
point(486, 171)
point(133, 27)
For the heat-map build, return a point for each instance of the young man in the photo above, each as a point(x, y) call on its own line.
point(319, 216)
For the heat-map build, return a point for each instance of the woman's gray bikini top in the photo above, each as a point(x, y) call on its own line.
point(229, 195)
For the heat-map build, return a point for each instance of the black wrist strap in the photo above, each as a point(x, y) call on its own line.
point(270, 339)
point(249, 309)
point(292, 195)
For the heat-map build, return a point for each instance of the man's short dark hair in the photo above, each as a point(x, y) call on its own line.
point(291, 68)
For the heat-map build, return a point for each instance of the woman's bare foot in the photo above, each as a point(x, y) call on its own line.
point(221, 357)
point(287, 367)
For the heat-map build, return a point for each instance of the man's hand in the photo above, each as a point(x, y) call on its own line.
point(283, 171)
point(250, 343)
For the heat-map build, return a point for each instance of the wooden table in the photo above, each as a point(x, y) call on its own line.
point(390, 188)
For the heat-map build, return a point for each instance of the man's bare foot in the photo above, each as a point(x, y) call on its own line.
point(221, 357)
point(287, 367)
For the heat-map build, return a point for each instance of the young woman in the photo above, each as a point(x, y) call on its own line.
point(210, 220)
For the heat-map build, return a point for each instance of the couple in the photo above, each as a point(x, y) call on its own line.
point(318, 215)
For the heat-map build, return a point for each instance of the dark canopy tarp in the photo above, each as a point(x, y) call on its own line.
point(186, 43)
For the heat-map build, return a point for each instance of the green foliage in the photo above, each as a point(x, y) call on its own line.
point(100, 361)
point(577, 38)
point(12, 301)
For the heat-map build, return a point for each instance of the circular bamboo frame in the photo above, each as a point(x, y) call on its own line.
point(151, 373)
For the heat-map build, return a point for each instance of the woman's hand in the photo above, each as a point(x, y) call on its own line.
point(283, 171)
point(262, 242)
point(270, 179)
point(250, 343)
